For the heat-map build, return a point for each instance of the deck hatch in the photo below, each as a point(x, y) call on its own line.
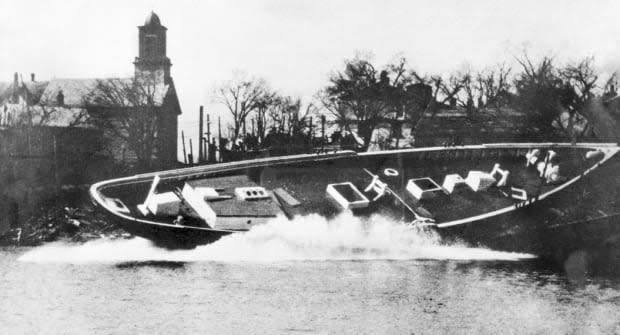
point(423, 188)
point(347, 196)
point(454, 182)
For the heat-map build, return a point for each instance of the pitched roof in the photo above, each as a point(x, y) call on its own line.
point(75, 91)
point(79, 92)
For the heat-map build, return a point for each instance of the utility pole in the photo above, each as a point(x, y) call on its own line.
point(184, 152)
point(260, 123)
point(190, 157)
point(56, 180)
point(322, 128)
point(208, 149)
point(200, 125)
point(29, 113)
point(219, 137)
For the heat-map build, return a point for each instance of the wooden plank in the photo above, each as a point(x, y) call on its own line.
point(285, 197)
point(228, 183)
point(243, 208)
point(198, 204)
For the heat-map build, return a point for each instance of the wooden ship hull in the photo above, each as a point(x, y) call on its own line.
point(522, 197)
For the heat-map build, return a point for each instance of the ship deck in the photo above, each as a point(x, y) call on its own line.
point(308, 183)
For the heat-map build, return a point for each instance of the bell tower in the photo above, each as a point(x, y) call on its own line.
point(152, 59)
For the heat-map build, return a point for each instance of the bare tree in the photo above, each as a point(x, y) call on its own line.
point(358, 93)
point(444, 90)
point(261, 116)
point(470, 91)
point(451, 88)
point(299, 118)
point(242, 95)
point(536, 87)
point(129, 109)
point(545, 96)
point(494, 86)
point(399, 70)
point(333, 106)
point(364, 96)
point(278, 111)
point(286, 114)
point(48, 112)
point(582, 77)
point(611, 85)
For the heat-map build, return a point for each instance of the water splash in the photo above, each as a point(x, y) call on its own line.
point(306, 238)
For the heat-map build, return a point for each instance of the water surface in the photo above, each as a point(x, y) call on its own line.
point(310, 276)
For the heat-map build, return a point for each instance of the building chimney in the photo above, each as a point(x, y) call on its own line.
point(452, 102)
point(32, 77)
point(14, 98)
point(60, 98)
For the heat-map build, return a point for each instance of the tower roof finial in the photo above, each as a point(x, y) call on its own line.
point(152, 20)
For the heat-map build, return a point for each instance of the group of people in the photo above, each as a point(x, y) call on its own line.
point(548, 166)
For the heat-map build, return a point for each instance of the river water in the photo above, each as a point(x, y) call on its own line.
point(309, 276)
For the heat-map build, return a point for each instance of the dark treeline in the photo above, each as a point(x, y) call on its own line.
point(361, 97)
point(265, 120)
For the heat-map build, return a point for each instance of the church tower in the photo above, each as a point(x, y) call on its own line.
point(152, 59)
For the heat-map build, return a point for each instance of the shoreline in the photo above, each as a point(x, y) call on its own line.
point(63, 215)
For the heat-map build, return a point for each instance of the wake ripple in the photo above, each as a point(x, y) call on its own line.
point(306, 238)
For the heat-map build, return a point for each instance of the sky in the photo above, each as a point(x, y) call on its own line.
point(296, 44)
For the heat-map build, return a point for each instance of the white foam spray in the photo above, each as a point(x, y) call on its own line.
point(305, 238)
